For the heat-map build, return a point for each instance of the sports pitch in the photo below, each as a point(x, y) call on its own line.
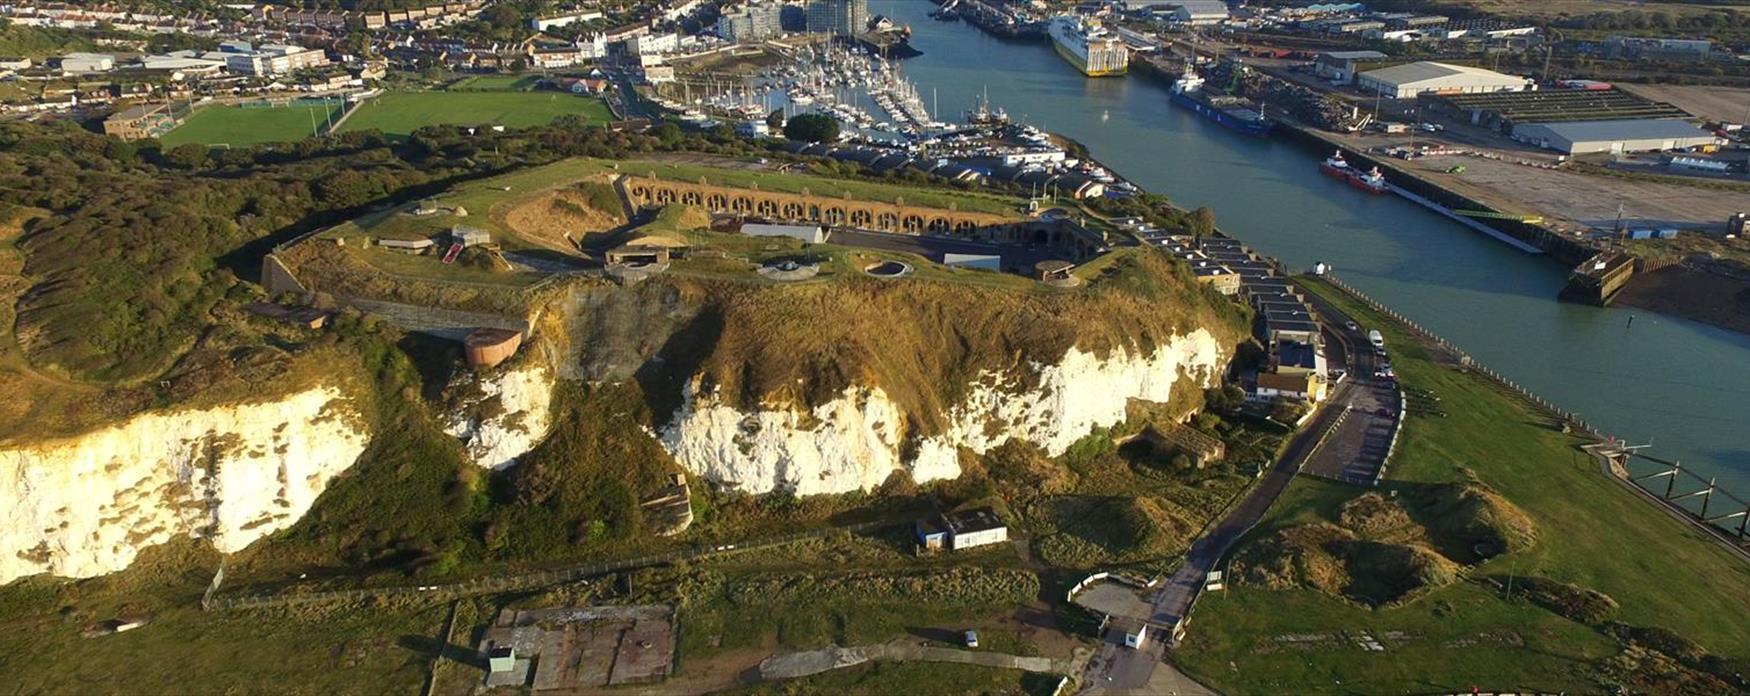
point(396, 114)
point(400, 113)
point(238, 126)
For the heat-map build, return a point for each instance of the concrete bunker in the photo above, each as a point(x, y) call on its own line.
point(888, 269)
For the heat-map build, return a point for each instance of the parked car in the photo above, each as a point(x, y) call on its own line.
point(972, 639)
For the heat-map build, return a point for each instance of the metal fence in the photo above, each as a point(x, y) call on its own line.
point(498, 584)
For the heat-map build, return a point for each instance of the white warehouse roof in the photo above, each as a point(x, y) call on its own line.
point(1581, 137)
point(1605, 131)
point(1411, 74)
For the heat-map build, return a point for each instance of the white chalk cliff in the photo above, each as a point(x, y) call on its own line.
point(521, 420)
point(87, 505)
point(855, 442)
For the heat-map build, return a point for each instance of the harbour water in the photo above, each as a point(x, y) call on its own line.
point(1679, 384)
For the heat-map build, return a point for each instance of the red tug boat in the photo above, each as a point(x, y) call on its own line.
point(1370, 181)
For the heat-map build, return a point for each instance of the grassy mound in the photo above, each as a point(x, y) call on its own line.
point(1471, 523)
point(1381, 549)
point(676, 219)
point(1331, 559)
point(550, 216)
point(1302, 556)
point(1374, 516)
point(1096, 530)
point(1382, 573)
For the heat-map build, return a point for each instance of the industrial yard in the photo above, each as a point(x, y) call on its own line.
point(1577, 201)
point(1519, 180)
point(1714, 103)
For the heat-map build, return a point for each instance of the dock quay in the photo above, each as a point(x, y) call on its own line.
point(1472, 223)
point(997, 20)
point(1428, 193)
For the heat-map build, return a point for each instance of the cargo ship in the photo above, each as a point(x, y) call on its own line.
point(1093, 50)
point(1235, 113)
point(1370, 181)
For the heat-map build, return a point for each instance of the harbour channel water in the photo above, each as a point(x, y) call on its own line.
point(1681, 385)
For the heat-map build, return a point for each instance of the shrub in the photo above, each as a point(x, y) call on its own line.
point(1573, 602)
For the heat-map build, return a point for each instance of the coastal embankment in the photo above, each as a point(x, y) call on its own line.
point(1731, 529)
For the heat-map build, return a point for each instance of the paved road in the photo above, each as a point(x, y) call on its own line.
point(1116, 669)
point(1355, 450)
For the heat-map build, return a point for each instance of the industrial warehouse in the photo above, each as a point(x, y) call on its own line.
point(1584, 137)
point(1412, 79)
point(1591, 102)
point(1588, 118)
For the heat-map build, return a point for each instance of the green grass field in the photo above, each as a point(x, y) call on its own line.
point(401, 113)
point(237, 126)
point(1590, 533)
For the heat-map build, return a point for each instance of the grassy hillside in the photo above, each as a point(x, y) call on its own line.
point(1487, 628)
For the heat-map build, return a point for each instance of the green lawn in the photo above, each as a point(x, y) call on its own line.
point(237, 126)
point(400, 113)
point(1590, 533)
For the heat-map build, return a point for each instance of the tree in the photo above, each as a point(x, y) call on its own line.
point(358, 43)
point(668, 133)
point(814, 128)
point(1202, 222)
point(775, 120)
point(187, 155)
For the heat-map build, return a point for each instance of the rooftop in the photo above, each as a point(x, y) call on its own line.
point(974, 520)
point(136, 112)
point(1428, 70)
point(1352, 55)
point(1282, 382)
point(1564, 105)
point(1632, 129)
point(1295, 354)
